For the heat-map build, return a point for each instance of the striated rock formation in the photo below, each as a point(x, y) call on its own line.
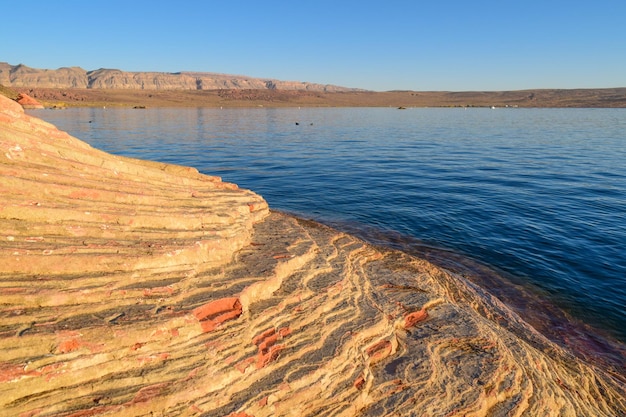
point(28, 102)
point(138, 288)
point(21, 75)
point(76, 77)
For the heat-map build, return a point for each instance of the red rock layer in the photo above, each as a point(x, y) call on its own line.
point(130, 288)
point(28, 102)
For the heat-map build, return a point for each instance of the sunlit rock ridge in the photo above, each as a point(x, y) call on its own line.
point(20, 76)
point(135, 288)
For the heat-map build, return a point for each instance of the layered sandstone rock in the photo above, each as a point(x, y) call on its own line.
point(138, 288)
point(21, 76)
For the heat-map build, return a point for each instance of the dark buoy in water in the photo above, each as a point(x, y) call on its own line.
point(297, 124)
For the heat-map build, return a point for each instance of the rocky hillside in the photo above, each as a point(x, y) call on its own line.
point(20, 76)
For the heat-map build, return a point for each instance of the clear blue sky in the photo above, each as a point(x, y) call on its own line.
point(383, 45)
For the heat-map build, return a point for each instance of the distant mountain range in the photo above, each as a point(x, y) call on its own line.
point(20, 76)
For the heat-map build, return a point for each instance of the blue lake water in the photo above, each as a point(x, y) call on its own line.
point(537, 195)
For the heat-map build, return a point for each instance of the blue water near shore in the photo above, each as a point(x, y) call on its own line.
point(538, 195)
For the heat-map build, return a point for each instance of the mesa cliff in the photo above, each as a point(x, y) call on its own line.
point(19, 76)
point(74, 86)
point(132, 288)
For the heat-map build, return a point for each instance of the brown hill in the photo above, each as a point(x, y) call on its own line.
point(76, 77)
point(610, 97)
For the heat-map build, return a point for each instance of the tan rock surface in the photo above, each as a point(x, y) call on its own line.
point(134, 288)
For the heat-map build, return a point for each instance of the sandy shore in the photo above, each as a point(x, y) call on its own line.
point(609, 97)
point(138, 288)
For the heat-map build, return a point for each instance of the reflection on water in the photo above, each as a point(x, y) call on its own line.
point(537, 194)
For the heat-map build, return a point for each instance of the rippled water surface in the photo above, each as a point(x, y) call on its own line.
point(536, 194)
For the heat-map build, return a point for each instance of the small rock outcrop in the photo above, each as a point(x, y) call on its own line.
point(28, 102)
point(135, 288)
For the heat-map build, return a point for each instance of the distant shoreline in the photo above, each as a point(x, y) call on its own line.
point(544, 98)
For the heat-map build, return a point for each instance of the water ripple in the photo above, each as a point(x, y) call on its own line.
point(538, 194)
